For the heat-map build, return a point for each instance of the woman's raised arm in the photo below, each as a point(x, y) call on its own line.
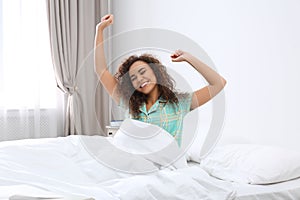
point(105, 77)
point(215, 81)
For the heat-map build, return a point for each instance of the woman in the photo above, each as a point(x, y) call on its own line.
point(143, 82)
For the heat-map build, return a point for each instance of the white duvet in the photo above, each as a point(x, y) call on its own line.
point(68, 165)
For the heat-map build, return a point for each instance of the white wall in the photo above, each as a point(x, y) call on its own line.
point(254, 44)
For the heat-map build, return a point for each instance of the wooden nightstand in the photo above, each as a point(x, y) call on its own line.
point(111, 130)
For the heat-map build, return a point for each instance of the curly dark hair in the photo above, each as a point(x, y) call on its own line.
point(135, 98)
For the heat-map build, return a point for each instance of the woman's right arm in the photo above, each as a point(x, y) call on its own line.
point(105, 77)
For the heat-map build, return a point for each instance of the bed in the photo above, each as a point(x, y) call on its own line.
point(86, 167)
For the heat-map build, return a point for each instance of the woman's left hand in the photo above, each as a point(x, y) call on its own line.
point(178, 56)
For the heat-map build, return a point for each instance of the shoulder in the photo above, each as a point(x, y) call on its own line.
point(184, 100)
point(184, 96)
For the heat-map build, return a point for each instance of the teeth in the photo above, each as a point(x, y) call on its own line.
point(144, 84)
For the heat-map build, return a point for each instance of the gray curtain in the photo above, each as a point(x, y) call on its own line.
point(72, 26)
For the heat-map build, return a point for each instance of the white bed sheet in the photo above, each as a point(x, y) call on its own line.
point(64, 166)
point(288, 190)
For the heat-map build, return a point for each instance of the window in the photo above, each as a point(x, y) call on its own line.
point(26, 72)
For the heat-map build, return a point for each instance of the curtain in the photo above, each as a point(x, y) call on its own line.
point(72, 26)
point(30, 106)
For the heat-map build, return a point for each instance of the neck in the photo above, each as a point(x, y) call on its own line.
point(153, 96)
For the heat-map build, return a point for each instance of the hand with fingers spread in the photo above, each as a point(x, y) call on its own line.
point(106, 21)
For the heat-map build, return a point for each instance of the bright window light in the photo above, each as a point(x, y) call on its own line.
point(27, 78)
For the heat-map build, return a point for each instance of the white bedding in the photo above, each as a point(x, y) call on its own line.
point(289, 190)
point(65, 166)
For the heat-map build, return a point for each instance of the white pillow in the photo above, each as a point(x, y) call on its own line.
point(149, 141)
point(252, 164)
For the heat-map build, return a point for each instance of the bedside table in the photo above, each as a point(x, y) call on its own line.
point(111, 130)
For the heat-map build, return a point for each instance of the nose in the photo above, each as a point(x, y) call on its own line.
point(139, 78)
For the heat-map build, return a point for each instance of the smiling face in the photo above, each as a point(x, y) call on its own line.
point(142, 77)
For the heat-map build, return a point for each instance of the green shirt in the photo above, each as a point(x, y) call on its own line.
point(167, 115)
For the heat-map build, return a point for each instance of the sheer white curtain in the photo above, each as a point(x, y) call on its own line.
point(30, 105)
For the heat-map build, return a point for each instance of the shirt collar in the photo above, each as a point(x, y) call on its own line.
point(154, 106)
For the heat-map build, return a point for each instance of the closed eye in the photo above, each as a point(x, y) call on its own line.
point(142, 71)
point(133, 78)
